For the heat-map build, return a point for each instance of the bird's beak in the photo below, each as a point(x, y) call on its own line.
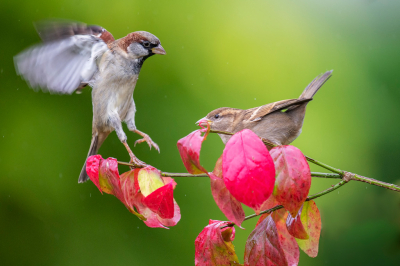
point(203, 122)
point(158, 50)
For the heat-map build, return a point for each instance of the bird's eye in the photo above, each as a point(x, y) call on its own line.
point(146, 44)
point(216, 116)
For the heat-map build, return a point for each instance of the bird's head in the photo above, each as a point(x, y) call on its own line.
point(141, 44)
point(221, 119)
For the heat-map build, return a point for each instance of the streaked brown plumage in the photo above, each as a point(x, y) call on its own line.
point(74, 55)
point(269, 121)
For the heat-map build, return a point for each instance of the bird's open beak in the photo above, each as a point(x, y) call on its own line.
point(158, 50)
point(203, 122)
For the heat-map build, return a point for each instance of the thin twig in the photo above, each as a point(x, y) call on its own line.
point(355, 177)
point(182, 175)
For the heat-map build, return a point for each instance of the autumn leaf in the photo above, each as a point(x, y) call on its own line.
point(286, 240)
point(213, 246)
point(92, 169)
point(263, 246)
point(189, 148)
point(248, 169)
point(293, 177)
point(149, 179)
point(295, 227)
point(161, 201)
point(229, 206)
point(311, 219)
point(268, 204)
point(158, 209)
point(109, 178)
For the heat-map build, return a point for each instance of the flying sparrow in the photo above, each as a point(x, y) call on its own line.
point(75, 55)
point(269, 121)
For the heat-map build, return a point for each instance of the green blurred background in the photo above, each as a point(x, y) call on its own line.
point(219, 53)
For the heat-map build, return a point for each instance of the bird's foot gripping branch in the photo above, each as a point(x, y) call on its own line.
point(275, 184)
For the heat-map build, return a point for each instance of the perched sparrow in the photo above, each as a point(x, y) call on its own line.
point(269, 121)
point(74, 55)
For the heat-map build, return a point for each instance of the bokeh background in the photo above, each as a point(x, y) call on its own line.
point(219, 53)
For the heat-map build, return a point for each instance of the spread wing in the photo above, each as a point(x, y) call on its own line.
point(255, 114)
point(66, 60)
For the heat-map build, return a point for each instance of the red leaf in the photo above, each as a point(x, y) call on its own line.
point(92, 169)
point(161, 201)
point(174, 220)
point(136, 199)
point(262, 218)
point(263, 246)
point(213, 246)
point(168, 180)
point(109, 178)
point(293, 177)
point(189, 148)
point(287, 241)
point(311, 219)
point(151, 217)
point(295, 227)
point(229, 206)
point(248, 169)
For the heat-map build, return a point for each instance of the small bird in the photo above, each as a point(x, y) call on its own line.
point(74, 55)
point(279, 122)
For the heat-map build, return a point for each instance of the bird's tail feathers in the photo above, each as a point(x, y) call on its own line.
point(97, 140)
point(314, 86)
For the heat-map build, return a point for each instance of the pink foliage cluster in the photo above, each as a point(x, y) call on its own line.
point(143, 189)
point(248, 173)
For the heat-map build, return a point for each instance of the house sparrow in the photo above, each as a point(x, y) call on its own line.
point(75, 55)
point(269, 121)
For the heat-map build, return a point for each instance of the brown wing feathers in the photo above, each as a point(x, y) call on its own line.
point(257, 113)
point(57, 30)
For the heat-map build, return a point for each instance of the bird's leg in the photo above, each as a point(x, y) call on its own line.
point(134, 160)
point(130, 122)
point(147, 139)
point(116, 123)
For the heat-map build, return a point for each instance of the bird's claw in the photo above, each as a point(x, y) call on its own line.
point(149, 141)
point(136, 162)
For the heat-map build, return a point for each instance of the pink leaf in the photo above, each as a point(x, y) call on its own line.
point(189, 148)
point(174, 220)
point(311, 219)
point(161, 201)
point(262, 218)
point(229, 206)
point(287, 241)
point(248, 169)
point(92, 169)
point(295, 227)
point(150, 216)
point(268, 204)
point(109, 178)
point(168, 180)
point(263, 246)
point(213, 246)
point(135, 199)
point(293, 177)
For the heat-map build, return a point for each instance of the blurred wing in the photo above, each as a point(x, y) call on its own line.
point(67, 60)
point(255, 114)
point(53, 30)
